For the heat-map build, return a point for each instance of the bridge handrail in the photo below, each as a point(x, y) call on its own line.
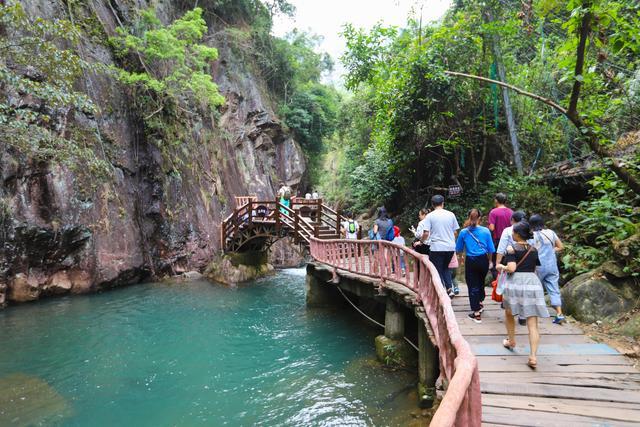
point(461, 405)
point(244, 215)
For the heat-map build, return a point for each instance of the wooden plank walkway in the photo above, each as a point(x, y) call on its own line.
point(578, 382)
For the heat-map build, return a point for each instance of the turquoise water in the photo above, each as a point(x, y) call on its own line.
point(190, 354)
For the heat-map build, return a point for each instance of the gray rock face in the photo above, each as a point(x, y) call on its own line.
point(61, 233)
point(590, 298)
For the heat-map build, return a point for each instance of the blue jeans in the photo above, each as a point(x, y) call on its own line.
point(441, 261)
point(549, 278)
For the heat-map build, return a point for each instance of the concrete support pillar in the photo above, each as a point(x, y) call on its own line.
point(318, 292)
point(428, 368)
point(393, 321)
point(391, 348)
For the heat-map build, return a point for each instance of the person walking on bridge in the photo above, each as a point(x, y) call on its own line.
point(523, 294)
point(475, 241)
point(350, 227)
point(548, 245)
point(506, 240)
point(439, 230)
point(499, 219)
point(419, 245)
point(383, 227)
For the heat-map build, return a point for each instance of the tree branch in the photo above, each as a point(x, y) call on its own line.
point(513, 88)
point(592, 138)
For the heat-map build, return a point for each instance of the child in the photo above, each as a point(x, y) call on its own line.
point(399, 240)
point(453, 268)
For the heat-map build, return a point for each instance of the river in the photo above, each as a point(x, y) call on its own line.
point(165, 354)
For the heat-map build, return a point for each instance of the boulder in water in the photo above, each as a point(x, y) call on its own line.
point(30, 401)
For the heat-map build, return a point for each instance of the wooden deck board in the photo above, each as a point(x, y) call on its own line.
point(578, 380)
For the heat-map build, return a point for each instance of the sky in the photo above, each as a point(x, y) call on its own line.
point(327, 17)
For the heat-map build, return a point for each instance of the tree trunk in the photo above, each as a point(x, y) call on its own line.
point(502, 76)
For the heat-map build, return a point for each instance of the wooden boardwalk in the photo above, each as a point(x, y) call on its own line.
point(578, 382)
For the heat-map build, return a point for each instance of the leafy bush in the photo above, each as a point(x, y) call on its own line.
point(612, 214)
point(524, 192)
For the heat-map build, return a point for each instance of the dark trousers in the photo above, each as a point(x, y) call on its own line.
point(441, 261)
point(494, 272)
point(475, 271)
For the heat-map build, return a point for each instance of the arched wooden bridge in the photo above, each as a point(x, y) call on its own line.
point(256, 225)
point(578, 381)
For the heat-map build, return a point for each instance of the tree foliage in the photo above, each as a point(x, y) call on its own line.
point(172, 61)
point(38, 76)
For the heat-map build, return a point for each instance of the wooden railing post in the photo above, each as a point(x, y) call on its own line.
point(318, 211)
point(250, 212)
point(296, 227)
point(235, 221)
point(338, 223)
point(277, 216)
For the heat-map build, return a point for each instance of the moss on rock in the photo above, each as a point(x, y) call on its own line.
point(236, 268)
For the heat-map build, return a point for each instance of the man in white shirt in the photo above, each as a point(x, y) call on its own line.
point(439, 230)
point(350, 227)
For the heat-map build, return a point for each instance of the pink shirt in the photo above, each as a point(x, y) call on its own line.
point(501, 219)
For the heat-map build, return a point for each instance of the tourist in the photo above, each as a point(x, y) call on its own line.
point(350, 227)
point(421, 246)
point(453, 271)
point(548, 244)
point(399, 240)
point(383, 227)
point(523, 294)
point(439, 230)
point(506, 239)
point(284, 194)
point(477, 244)
point(307, 196)
point(499, 219)
point(315, 195)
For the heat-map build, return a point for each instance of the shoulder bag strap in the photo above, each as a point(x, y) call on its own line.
point(524, 257)
point(477, 241)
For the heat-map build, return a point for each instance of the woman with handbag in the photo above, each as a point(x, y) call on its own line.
point(523, 294)
point(475, 240)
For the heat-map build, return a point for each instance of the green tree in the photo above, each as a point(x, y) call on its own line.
point(172, 64)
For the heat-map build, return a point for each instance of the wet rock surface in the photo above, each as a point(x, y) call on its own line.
point(62, 231)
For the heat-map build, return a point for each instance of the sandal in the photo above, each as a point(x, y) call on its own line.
point(532, 363)
point(508, 344)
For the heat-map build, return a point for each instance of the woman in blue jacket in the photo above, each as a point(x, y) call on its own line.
point(475, 240)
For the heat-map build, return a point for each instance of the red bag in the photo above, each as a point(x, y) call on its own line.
point(494, 294)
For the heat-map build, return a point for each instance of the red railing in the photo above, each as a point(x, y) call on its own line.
point(461, 405)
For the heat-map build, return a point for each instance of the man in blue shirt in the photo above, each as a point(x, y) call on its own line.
point(475, 240)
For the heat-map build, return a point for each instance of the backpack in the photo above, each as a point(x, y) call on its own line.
point(390, 233)
point(351, 227)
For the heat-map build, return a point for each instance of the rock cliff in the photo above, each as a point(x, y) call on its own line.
point(63, 232)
